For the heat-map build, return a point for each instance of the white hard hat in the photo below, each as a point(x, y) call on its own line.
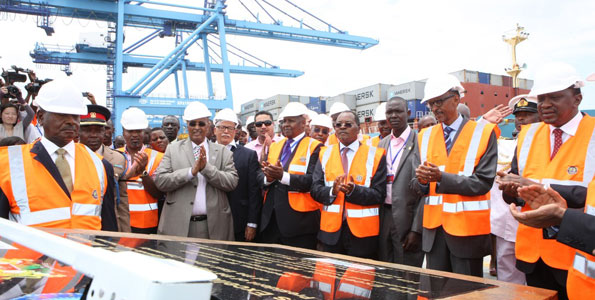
point(554, 77)
point(293, 109)
point(245, 129)
point(380, 113)
point(63, 97)
point(338, 107)
point(226, 114)
point(311, 114)
point(591, 77)
point(322, 120)
point(134, 119)
point(196, 110)
point(440, 84)
point(250, 120)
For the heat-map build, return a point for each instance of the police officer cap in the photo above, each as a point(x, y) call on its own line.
point(97, 115)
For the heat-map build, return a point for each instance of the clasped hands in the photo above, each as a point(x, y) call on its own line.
point(343, 184)
point(272, 172)
point(428, 172)
point(201, 162)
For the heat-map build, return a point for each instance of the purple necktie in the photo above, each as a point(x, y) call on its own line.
point(345, 160)
point(286, 152)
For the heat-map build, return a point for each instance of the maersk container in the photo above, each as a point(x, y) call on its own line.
point(484, 77)
point(466, 76)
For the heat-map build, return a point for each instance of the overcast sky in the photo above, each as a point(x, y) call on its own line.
point(416, 39)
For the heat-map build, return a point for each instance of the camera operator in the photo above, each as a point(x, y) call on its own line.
point(13, 123)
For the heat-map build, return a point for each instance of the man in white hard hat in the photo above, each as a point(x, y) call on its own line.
point(54, 182)
point(320, 127)
point(196, 174)
point(555, 153)
point(458, 167)
point(289, 215)
point(384, 128)
point(246, 199)
point(141, 164)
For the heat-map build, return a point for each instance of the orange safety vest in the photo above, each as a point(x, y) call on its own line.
point(569, 167)
point(324, 279)
point(143, 207)
point(374, 141)
point(293, 282)
point(580, 284)
point(301, 202)
point(363, 221)
point(36, 199)
point(356, 283)
point(459, 215)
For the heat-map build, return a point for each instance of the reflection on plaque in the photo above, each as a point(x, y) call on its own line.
point(244, 272)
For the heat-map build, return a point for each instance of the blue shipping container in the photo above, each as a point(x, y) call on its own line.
point(484, 77)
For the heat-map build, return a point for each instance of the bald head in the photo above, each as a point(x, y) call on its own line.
point(426, 121)
point(464, 110)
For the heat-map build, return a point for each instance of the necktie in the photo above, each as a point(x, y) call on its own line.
point(196, 151)
point(447, 139)
point(286, 152)
point(557, 141)
point(345, 160)
point(64, 169)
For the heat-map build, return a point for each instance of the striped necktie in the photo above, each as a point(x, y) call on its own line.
point(447, 139)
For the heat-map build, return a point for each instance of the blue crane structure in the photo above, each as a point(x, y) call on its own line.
point(203, 26)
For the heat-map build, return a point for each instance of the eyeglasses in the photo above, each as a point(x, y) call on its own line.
point(200, 123)
point(346, 125)
point(317, 130)
point(266, 123)
point(439, 102)
point(225, 128)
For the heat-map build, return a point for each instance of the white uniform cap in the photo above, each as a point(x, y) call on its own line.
point(250, 120)
point(516, 99)
point(311, 114)
point(134, 119)
point(554, 77)
point(322, 120)
point(63, 97)
point(196, 110)
point(440, 84)
point(226, 114)
point(591, 77)
point(380, 113)
point(293, 109)
point(338, 107)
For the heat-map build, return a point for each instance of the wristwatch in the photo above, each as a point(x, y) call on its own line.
point(144, 174)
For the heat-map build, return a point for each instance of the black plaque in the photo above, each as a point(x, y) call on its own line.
point(244, 272)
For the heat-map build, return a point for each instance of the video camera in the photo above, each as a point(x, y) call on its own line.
point(14, 75)
point(33, 87)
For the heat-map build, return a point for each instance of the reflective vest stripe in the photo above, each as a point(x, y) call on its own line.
point(433, 200)
point(362, 213)
point(329, 183)
point(99, 168)
point(589, 171)
point(321, 286)
point(472, 152)
point(297, 168)
point(17, 178)
point(355, 290)
point(583, 265)
point(151, 160)
point(333, 208)
point(564, 182)
point(466, 206)
point(425, 141)
point(326, 157)
point(42, 216)
point(526, 146)
point(135, 185)
point(80, 209)
point(143, 207)
point(370, 166)
point(590, 209)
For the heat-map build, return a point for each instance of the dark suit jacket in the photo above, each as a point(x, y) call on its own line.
point(246, 199)
point(291, 223)
point(577, 230)
point(108, 216)
point(360, 195)
point(479, 183)
point(407, 207)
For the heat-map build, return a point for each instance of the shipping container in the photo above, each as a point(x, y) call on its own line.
point(526, 84)
point(484, 77)
point(496, 80)
point(466, 76)
point(366, 111)
point(250, 106)
point(407, 91)
point(370, 94)
point(417, 109)
point(349, 100)
point(506, 81)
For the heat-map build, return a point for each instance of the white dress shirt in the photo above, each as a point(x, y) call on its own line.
point(569, 129)
point(285, 179)
point(51, 149)
point(200, 199)
point(393, 158)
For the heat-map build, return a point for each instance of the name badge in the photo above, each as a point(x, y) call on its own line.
point(390, 178)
